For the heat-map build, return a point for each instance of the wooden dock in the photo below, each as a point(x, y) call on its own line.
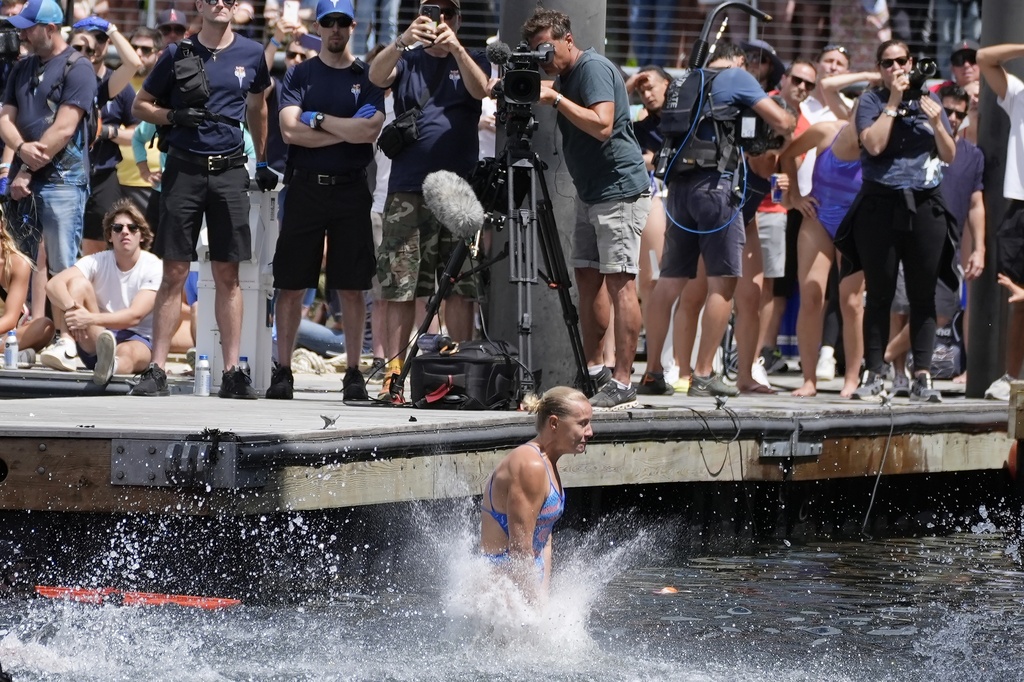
point(182, 454)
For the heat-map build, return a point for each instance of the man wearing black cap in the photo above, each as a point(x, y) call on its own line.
point(415, 246)
point(206, 177)
point(330, 116)
point(963, 66)
point(764, 64)
point(172, 25)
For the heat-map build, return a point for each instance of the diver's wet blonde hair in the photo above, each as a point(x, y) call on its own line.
point(9, 248)
point(558, 401)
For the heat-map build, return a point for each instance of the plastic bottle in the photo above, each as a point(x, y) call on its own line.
point(11, 350)
point(243, 365)
point(202, 382)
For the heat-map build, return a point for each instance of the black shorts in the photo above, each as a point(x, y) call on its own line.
point(1010, 243)
point(342, 214)
point(188, 193)
point(104, 190)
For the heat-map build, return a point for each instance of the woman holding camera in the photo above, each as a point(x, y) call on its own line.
point(899, 216)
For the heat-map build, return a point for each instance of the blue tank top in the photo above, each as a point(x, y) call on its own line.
point(835, 183)
point(550, 512)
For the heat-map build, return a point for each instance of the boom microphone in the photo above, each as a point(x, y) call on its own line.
point(499, 53)
point(452, 201)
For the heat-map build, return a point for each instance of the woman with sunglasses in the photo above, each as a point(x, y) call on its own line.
point(15, 275)
point(899, 215)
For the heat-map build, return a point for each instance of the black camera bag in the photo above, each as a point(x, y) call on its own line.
point(403, 132)
point(476, 375)
point(399, 134)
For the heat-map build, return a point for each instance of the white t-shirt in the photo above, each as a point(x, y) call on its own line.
point(1013, 105)
point(115, 290)
point(380, 188)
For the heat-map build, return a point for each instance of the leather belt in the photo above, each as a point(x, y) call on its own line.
point(211, 164)
point(358, 174)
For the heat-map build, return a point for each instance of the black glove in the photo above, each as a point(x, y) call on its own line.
point(266, 179)
point(187, 118)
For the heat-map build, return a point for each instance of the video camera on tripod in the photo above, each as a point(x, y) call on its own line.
point(519, 87)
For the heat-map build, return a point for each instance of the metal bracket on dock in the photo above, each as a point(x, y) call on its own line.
point(787, 449)
point(180, 463)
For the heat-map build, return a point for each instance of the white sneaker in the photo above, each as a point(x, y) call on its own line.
point(61, 355)
point(106, 359)
point(826, 368)
point(759, 374)
point(1000, 389)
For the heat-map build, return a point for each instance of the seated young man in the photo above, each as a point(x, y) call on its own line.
point(107, 301)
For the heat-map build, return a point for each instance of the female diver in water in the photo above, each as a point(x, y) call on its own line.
point(523, 497)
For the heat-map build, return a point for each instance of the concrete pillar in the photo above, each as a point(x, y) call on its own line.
point(550, 341)
point(1001, 23)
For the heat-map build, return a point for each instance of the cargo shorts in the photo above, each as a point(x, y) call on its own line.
point(414, 250)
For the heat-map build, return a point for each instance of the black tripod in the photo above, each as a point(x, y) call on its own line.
point(520, 172)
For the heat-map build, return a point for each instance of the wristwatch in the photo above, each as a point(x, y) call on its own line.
point(891, 113)
point(318, 120)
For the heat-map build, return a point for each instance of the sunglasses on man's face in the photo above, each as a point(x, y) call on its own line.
point(295, 55)
point(962, 59)
point(227, 3)
point(798, 81)
point(144, 50)
point(331, 20)
point(121, 227)
point(887, 63)
point(950, 113)
point(84, 49)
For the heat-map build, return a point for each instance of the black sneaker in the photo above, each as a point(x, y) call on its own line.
point(353, 386)
point(871, 386)
point(713, 385)
point(613, 397)
point(921, 389)
point(234, 383)
point(653, 383)
point(282, 383)
point(153, 382)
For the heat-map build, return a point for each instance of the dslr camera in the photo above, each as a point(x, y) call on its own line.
point(10, 44)
point(920, 72)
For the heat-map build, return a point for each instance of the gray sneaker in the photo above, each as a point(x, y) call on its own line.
point(1000, 388)
point(871, 387)
point(612, 397)
point(714, 385)
point(598, 380)
point(901, 385)
point(921, 389)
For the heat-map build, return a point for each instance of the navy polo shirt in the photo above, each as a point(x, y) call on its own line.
point(315, 86)
point(237, 71)
point(31, 90)
point(904, 163)
point(448, 126)
point(961, 179)
point(648, 133)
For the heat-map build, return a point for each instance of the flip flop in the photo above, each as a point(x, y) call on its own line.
point(758, 389)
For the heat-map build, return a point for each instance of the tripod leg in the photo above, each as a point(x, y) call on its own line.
point(558, 273)
point(448, 279)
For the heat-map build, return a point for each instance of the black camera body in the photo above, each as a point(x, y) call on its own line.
point(920, 72)
point(521, 82)
point(10, 43)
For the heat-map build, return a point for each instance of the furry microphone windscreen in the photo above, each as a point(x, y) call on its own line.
point(498, 53)
point(452, 201)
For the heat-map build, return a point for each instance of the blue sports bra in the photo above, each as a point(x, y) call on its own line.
point(550, 512)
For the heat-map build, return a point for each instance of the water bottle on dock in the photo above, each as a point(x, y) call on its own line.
point(202, 378)
point(11, 350)
point(243, 365)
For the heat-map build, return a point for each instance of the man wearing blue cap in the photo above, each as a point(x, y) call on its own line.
point(45, 101)
point(206, 177)
point(330, 116)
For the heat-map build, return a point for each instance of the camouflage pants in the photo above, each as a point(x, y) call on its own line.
point(414, 251)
